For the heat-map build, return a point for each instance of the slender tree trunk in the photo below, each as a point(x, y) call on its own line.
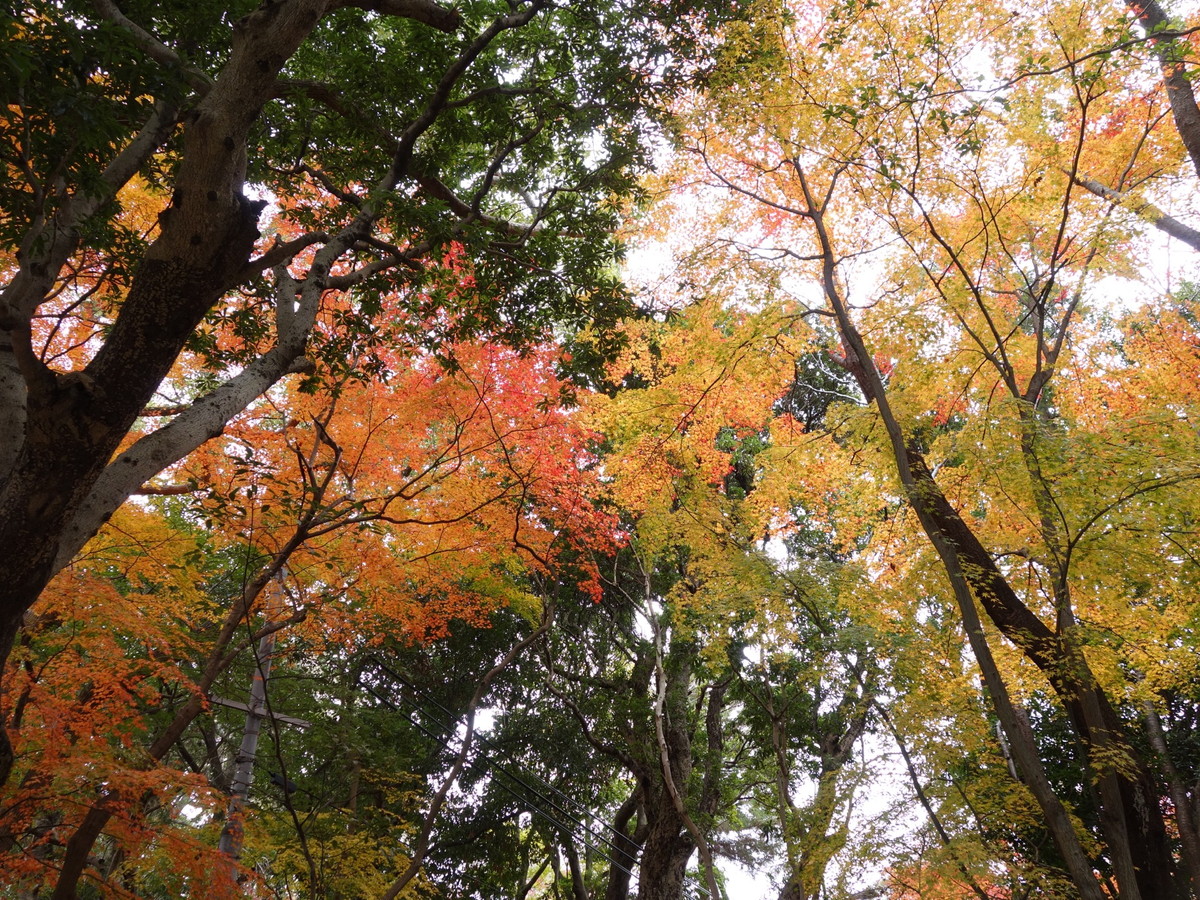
point(625, 851)
point(1132, 818)
point(234, 832)
point(1189, 838)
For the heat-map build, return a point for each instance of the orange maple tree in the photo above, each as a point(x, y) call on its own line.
point(402, 491)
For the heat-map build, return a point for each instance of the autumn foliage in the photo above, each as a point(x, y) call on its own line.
point(403, 491)
point(861, 551)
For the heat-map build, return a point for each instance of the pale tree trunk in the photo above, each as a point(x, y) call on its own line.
point(59, 481)
point(234, 831)
point(810, 842)
point(221, 655)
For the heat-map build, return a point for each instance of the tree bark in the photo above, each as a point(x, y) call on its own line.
point(1145, 210)
point(58, 432)
point(1189, 837)
point(625, 851)
point(73, 423)
point(669, 842)
point(234, 831)
point(1130, 811)
point(1176, 78)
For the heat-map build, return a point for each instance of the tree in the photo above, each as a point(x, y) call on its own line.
point(959, 172)
point(707, 462)
point(377, 131)
point(463, 487)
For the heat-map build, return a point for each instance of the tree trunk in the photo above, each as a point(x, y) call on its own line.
point(1176, 78)
point(665, 855)
point(669, 843)
point(73, 423)
point(233, 833)
point(625, 849)
point(1130, 812)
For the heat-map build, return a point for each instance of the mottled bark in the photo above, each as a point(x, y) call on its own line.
point(59, 431)
point(73, 423)
point(670, 843)
point(666, 852)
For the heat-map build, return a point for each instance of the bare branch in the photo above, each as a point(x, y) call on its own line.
point(410, 259)
point(441, 95)
point(156, 130)
point(437, 189)
point(323, 179)
point(166, 490)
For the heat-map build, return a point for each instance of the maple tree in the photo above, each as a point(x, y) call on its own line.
point(957, 166)
point(704, 460)
point(885, 462)
point(382, 131)
point(466, 481)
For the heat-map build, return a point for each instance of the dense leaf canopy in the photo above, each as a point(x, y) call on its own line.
point(523, 449)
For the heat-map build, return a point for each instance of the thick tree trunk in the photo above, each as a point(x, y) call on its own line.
point(73, 423)
point(669, 842)
point(665, 855)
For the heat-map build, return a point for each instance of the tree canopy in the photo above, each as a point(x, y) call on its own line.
point(529, 449)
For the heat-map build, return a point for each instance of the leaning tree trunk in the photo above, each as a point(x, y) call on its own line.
point(71, 424)
point(1131, 816)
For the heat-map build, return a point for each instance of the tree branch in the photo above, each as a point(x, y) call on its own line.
point(1143, 209)
point(152, 46)
point(1176, 78)
point(282, 252)
point(424, 11)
